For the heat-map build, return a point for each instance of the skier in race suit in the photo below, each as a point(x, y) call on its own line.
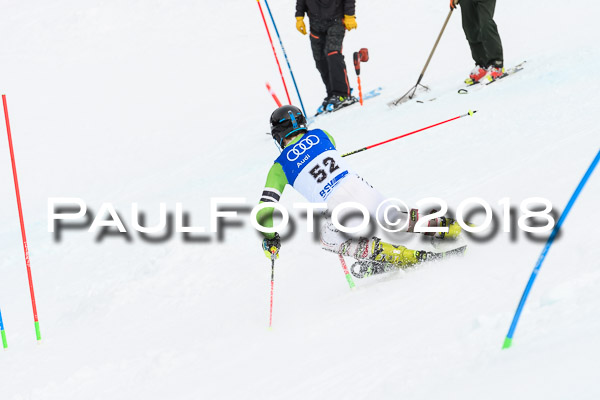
point(310, 163)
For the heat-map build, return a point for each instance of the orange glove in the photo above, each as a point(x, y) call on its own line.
point(300, 25)
point(350, 22)
point(453, 4)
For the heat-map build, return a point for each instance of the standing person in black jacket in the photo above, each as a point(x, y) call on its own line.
point(483, 37)
point(329, 20)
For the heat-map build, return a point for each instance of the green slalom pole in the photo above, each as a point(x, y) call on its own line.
point(347, 273)
point(2, 333)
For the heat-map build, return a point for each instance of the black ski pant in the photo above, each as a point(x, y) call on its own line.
point(326, 39)
point(481, 31)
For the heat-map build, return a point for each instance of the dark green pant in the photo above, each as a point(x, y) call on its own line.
point(482, 32)
point(326, 39)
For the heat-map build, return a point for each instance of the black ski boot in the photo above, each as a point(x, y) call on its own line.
point(336, 102)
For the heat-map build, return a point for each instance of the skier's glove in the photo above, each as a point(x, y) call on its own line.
point(271, 246)
point(300, 25)
point(453, 4)
point(350, 22)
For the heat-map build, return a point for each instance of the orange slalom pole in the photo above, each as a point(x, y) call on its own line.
point(25, 248)
point(359, 91)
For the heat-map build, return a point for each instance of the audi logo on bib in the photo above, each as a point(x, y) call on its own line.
point(301, 147)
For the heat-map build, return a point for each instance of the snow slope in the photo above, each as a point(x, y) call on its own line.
point(155, 101)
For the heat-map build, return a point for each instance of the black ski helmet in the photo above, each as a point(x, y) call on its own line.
point(287, 121)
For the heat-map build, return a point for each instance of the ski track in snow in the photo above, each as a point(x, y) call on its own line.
point(151, 101)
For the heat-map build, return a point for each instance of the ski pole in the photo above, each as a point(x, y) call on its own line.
point(272, 92)
point(511, 331)
point(2, 333)
point(346, 272)
point(285, 56)
point(414, 88)
point(272, 285)
point(274, 52)
point(25, 248)
point(408, 134)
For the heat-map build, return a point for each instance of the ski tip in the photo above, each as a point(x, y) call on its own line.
point(507, 343)
point(472, 112)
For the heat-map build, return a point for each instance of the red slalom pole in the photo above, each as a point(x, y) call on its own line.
point(25, 248)
point(274, 52)
point(272, 93)
point(408, 134)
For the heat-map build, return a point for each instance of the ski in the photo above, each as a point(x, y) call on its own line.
point(321, 112)
point(508, 72)
point(366, 96)
point(472, 86)
point(365, 268)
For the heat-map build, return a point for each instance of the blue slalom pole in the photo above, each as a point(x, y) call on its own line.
point(538, 265)
point(286, 57)
point(2, 333)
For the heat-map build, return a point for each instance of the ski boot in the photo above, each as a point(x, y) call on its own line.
point(494, 73)
point(454, 228)
point(386, 257)
point(336, 102)
point(476, 75)
point(399, 256)
point(323, 107)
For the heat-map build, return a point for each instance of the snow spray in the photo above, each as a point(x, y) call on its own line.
point(25, 248)
point(538, 265)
